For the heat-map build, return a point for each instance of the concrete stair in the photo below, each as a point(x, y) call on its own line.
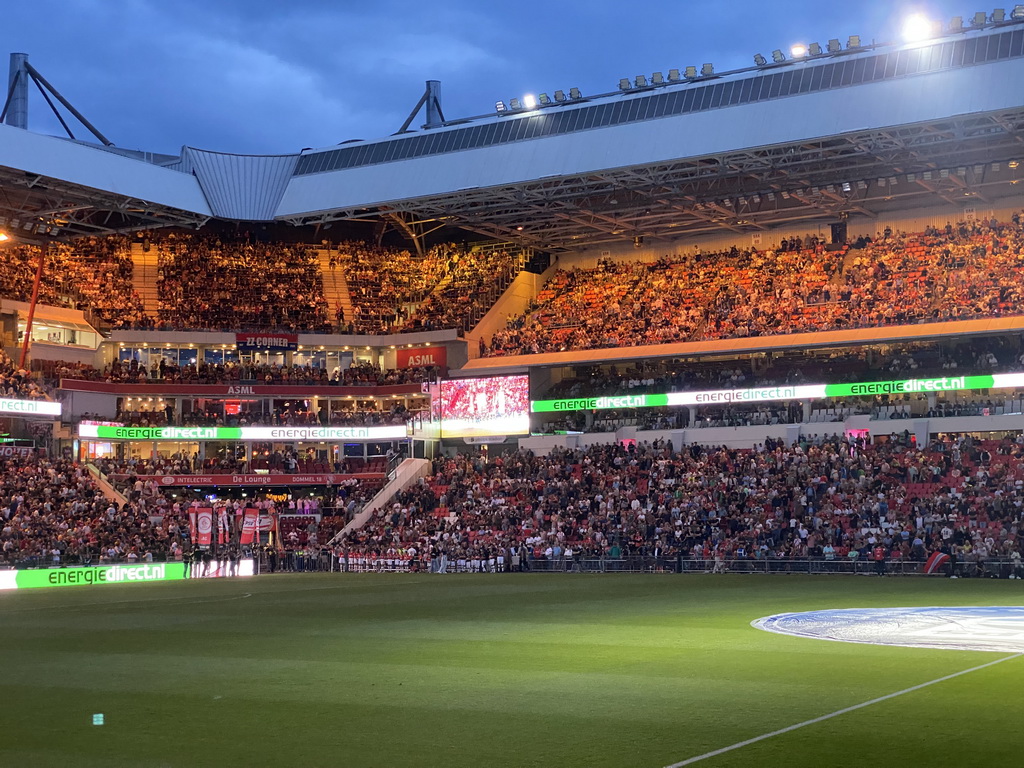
point(335, 287)
point(144, 276)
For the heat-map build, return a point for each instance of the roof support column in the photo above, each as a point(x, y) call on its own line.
point(16, 105)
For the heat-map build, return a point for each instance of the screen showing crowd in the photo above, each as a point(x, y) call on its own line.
point(498, 405)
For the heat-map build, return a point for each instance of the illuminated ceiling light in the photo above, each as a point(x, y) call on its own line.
point(760, 60)
point(798, 51)
point(778, 56)
point(916, 27)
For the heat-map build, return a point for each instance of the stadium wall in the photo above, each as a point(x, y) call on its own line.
point(513, 301)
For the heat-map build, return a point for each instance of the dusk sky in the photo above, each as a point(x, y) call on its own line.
point(253, 76)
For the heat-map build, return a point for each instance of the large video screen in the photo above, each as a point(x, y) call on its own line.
point(498, 405)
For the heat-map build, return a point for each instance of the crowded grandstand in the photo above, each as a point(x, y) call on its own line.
point(757, 348)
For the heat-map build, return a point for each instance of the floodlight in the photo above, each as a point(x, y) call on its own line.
point(944, 173)
point(853, 42)
point(641, 81)
point(559, 95)
point(999, 15)
point(1017, 13)
point(798, 51)
point(574, 93)
point(893, 181)
point(514, 104)
point(673, 76)
point(926, 176)
point(979, 19)
point(834, 46)
point(911, 177)
point(1014, 164)
point(624, 84)
point(956, 24)
point(529, 101)
point(862, 184)
point(771, 197)
point(499, 106)
point(916, 27)
point(4, 237)
point(543, 99)
point(814, 49)
point(707, 70)
point(690, 73)
point(978, 170)
point(995, 166)
point(657, 78)
point(760, 60)
point(778, 56)
point(847, 187)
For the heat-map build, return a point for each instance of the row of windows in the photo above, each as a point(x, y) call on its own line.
point(793, 80)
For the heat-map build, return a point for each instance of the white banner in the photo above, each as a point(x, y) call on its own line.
point(29, 407)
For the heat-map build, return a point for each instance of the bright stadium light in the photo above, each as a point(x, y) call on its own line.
point(529, 101)
point(798, 51)
point(4, 237)
point(916, 27)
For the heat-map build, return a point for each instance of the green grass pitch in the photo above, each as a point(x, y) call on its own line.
point(517, 670)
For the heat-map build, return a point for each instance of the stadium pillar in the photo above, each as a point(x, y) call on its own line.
point(17, 92)
point(32, 306)
point(434, 115)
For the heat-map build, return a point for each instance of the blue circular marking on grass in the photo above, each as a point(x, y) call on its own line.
point(988, 628)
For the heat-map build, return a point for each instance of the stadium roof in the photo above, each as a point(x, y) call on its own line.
point(848, 132)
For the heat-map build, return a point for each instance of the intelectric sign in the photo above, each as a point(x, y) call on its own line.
point(244, 434)
point(109, 574)
point(777, 393)
point(29, 407)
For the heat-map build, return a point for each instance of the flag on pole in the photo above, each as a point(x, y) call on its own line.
point(205, 526)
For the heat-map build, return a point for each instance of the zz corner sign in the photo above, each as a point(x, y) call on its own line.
point(267, 342)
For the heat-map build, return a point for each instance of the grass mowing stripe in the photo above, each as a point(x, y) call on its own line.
point(837, 713)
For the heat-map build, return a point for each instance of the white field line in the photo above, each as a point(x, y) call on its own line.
point(837, 713)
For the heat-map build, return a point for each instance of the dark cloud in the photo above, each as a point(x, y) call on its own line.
point(266, 77)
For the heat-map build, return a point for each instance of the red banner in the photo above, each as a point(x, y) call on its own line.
point(240, 390)
point(421, 357)
point(205, 526)
point(249, 525)
point(255, 480)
